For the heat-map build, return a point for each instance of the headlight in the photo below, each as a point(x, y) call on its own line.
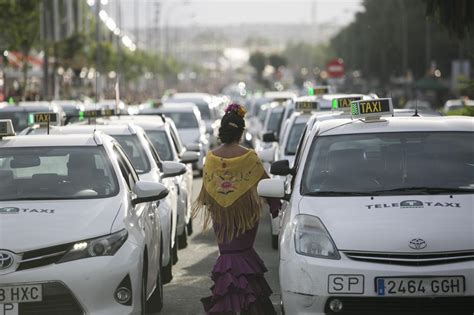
point(101, 246)
point(248, 136)
point(312, 238)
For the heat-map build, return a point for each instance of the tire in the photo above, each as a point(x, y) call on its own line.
point(189, 227)
point(274, 241)
point(175, 250)
point(143, 293)
point(167, 271)
point(183, 239)
point(155, 302)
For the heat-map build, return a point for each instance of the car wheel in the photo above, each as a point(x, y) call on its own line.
point(167, 271)
point(274, 241)
point(183, 240)
point(189, 226)
point(175, 249)
point(155, 302)
point(143, 293)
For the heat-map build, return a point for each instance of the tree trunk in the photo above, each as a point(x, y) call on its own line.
point(24, 70)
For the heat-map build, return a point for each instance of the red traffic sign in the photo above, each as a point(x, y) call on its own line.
point(335, 68)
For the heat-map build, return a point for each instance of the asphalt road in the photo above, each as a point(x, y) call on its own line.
point(192, 281)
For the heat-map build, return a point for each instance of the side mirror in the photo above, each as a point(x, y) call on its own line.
point(267, 155)
point(272, 188)
point(193, 147)
point(189, 157)
point(269, 137)
point(172, 169)
point(148, 191)
point(281, 168)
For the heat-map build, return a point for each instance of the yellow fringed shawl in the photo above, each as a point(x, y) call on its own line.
point(229, 196)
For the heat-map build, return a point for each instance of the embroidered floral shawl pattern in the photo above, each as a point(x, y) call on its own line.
point(229, 196)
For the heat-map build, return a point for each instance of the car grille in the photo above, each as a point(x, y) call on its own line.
point(405, 306)
point(57, 300)
point(42, 257)
point(424, 259)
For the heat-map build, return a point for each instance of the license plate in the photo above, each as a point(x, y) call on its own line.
point(9, 309)
point(21, 294)
point(430, 286)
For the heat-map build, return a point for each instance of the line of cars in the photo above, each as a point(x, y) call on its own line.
point(98, 210)
point(377, 208)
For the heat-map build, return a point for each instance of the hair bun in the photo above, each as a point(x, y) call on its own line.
point(237, 109)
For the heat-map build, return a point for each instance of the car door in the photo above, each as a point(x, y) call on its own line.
point(147, 219)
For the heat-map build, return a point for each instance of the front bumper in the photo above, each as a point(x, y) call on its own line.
point(305, 286)
point(84, 286)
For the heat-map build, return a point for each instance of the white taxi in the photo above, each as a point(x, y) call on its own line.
point(80, 233)
point(380, 217)
point(165, 138)
point(146, 162)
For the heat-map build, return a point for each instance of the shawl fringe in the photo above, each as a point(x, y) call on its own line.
point(231, 221)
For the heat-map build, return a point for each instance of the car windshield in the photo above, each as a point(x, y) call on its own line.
point(160, 141)
point(20, 120)
point(183, 120)
point(39, 173)
point(203, 106)
point(274, 121)
point(135, 152)
point(390, 163)
point(294, 138)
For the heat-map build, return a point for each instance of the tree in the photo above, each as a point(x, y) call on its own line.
point(277, 61)
point(20, 24)
point(258, 61)
point(456, 16)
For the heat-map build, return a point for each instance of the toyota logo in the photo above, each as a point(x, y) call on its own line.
point(6, 260)
point(417, 243)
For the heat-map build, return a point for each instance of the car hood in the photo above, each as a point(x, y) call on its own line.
point(27, 225)
point(388, 224)
point(190, 135)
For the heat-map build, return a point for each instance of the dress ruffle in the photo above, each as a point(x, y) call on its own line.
point(239, 285)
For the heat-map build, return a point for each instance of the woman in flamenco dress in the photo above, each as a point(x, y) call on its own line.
point(230, 204)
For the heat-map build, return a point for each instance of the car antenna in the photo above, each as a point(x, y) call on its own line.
point(416, 103)
point(393, 115)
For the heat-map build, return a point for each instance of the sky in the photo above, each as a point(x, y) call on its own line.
point(234, 12)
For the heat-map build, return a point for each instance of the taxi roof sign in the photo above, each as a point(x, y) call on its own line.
point(320, 90)
point(372, 108)
point(108, 112)
point(306, 106)
point(45, 118)
point(6, 128)
point(92, 113)
point(344, 102)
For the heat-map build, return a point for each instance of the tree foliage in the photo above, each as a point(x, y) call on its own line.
point(19, 22)
point(389, 35)
point(258, 61)
point(457, 16)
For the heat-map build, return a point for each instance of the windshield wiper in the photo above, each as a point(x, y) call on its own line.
point(426, 190)
point(337, 193)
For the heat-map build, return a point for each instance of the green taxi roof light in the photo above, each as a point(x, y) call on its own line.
point(311, 91)
point(31, 119)
point(334, 104)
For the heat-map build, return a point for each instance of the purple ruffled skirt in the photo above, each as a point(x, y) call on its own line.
point(239, 285)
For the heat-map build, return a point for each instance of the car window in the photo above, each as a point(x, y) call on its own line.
point(274, 121)
point(56, 173)
point(389, 162)
point(135, 152)
point(156, 156)
point(161, 142)
point(19, 119)
point(294, 138)
point(176, 140)
point(126, 168)
point(183, 120)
